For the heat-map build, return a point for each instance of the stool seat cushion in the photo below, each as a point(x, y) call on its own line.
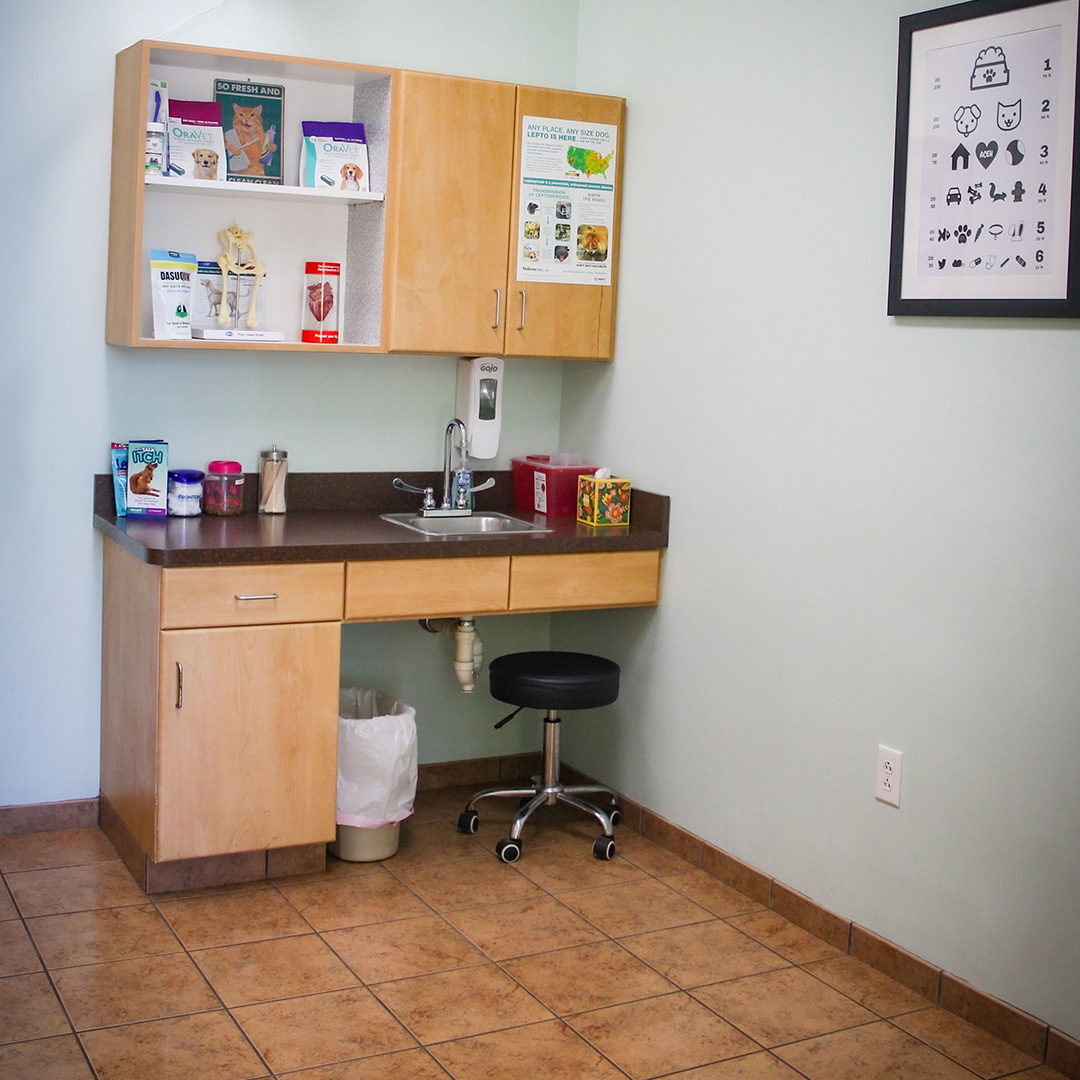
point(554, 680)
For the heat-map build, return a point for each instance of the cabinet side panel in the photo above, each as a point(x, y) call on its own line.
point(450, 215)
point(129, 670)
point(126, 196)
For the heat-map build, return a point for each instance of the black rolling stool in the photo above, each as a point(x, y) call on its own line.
point(550, 681)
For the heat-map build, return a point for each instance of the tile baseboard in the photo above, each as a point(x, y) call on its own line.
point(48, 817)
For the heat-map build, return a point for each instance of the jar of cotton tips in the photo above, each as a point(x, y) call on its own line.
point(273, 471)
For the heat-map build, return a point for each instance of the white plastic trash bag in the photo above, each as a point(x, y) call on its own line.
point(376, 759)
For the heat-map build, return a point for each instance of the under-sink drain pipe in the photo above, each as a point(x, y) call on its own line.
point(469, 651)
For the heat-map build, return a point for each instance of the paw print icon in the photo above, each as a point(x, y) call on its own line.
point(963, 233)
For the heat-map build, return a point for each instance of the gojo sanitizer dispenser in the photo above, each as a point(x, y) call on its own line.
point(479, 403)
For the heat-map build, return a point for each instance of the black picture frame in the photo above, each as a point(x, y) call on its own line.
point(930, 273)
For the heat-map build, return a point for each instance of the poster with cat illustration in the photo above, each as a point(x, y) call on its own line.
point(985, 203)
point(252, 117)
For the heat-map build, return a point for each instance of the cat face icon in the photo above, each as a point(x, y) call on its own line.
point(1008, 116)
point(967, 118)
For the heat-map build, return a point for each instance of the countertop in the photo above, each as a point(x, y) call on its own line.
point(334, 517)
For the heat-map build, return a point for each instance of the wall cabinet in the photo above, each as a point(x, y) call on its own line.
point(428, 257)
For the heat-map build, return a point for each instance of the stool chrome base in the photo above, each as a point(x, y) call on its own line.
point(547, 791)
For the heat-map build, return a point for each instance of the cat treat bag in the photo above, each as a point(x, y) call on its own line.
point(196, 145)
point(252, 117)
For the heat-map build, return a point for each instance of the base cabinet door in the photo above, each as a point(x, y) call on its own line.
point(247, 738)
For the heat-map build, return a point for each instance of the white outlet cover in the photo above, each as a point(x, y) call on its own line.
point(890, 767)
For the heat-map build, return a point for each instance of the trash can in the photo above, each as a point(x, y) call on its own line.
point(376, 774)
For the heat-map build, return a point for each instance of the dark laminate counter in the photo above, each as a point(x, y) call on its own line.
point(334, 517)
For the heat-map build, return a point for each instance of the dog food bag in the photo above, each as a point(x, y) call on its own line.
point(333, 156)
point(172, 279)
point(196, 141)
point(147, 478)
point(322, 292)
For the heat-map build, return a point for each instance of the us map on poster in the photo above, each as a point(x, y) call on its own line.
point(566, 214)
point(990, 156)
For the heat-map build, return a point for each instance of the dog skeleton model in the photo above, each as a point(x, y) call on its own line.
point(232, 260)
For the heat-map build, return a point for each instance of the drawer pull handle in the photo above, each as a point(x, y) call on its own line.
point(256, 596)
point(179, 685)
point(522, 326)
point(498, 309)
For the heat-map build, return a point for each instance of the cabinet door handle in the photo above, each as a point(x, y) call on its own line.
point(179, 685)
point(256, 596)
point(498, 309)
point(522, 326)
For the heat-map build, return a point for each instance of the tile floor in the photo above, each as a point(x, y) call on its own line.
point(445, 962)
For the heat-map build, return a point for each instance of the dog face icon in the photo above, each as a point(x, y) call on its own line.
point(350, 176)
point(204, 164)
point(967, 118)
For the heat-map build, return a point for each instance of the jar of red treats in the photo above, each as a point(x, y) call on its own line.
point(223, 488)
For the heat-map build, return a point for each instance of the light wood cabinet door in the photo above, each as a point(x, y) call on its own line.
point(426, 588)
point(559, 319)
point(247, 738)
point(584, 580)
point(448, 228)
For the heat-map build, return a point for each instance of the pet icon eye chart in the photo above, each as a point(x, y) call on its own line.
point(984, 182)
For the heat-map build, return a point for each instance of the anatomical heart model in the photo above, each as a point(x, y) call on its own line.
point(319, 322)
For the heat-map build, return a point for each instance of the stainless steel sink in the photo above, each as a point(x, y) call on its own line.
point(476, 524)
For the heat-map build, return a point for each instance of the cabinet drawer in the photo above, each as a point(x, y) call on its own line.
point(250, 595)
point(419, 588)
point(592, 580)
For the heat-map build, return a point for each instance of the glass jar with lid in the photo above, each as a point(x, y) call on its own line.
point(185, 492)
point(223, 488)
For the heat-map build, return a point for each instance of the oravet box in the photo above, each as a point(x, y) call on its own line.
point(147, 478)
point(603, 502)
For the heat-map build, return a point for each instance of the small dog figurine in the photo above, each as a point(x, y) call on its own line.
point(350, 176)
point(142, 482)
point(204, 164)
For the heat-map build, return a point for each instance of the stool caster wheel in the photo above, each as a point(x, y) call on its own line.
point(508, 850)
point(468, 821)
point(603, 848)
point(614, 812)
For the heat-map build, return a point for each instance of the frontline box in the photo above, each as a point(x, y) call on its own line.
point(147, 478)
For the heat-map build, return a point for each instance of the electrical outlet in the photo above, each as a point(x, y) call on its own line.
point(889, 768)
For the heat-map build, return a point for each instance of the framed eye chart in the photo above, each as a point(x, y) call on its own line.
point(985, 188)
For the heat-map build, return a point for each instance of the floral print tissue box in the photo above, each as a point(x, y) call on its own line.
point(603, 501)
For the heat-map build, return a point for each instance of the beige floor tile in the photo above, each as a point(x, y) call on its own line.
point(335, 868)
point(232, 918)
point(453, 885)
point(564, 867)
point(127, 991)
point(58, 1058)
point(89, 937)
point(403, 949)
point(456, 1004)
point(1043, 1072)
point(322, 1029)
point(635, 907)
point(875, 1050)
point(703, 953)
point(400, 1065)
point(74, 888)
point(267, 970)
point(761, 1066)
point(650, 856)
point(354, 901)
point(782, 1006)
point(974, 1048)
point(544, 829)
point(17, 953)
point(514, 1054)
point(868, 986)
point(661, 1035)
point(432, 842)
point(29, 1009)
point(68, 847)
point(791, 941)
point(712, 894)
point(587, 977)
point(7, 905)
point(203, 1045)
point(522, 927)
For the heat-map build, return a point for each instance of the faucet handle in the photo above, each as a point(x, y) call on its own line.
point(427, 492)
point(488, 483)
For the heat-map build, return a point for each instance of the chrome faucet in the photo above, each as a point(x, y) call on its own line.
point(451, 506)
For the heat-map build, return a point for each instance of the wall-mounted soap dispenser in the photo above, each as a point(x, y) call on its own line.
point(479, 402)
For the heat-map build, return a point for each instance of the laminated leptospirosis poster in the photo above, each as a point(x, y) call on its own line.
point(566, 211)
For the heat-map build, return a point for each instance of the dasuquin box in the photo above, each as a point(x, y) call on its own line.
point(147, 478)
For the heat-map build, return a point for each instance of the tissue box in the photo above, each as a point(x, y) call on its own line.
point(603, 502)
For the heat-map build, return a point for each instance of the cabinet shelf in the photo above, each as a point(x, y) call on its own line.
point(284, 192)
